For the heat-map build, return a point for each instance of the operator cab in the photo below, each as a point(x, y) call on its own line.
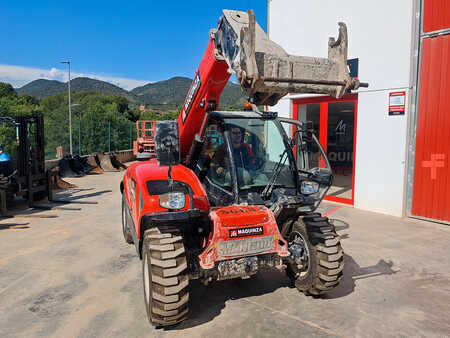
point(247, 157)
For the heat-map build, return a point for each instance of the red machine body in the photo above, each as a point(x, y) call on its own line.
point(233, 226)
point(143, 202)
point(229, 225)
point(209, 81)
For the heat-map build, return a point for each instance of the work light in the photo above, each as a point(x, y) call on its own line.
point(172, 200)
point(309, 187)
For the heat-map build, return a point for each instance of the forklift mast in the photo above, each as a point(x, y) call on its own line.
point(30, 179)
point(30, 153)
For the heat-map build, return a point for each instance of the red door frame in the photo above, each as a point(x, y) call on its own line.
point(323, 132)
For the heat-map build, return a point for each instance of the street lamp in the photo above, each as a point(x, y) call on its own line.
point(70, 110)
point(79, 129)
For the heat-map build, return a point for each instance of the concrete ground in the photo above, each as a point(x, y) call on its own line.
point(74, 276)
point(342, 186)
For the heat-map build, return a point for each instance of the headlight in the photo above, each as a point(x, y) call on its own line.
point(309, 187)
point(172, 200)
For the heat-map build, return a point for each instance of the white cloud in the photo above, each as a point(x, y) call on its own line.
point(56, 73)
point(19, 76)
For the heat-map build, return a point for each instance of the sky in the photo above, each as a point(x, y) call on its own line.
point(127, 43)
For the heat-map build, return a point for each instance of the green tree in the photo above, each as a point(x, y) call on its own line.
point(13, 105)
point(6, 90)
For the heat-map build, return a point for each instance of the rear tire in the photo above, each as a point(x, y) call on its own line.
point(126, 231)
point(165, 277)
point(325, 253)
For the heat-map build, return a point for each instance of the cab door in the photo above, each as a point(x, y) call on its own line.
point(217, 182)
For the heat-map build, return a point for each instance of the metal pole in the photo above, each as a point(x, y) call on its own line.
point(109, 136)
point(131, 134)
point(70, 116)
point(70, 112)
point(79, 137)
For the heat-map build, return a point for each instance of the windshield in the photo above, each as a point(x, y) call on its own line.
point(257, 147)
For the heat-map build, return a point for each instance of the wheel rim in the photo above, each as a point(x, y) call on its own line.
point(146, 280)
point(300, 254)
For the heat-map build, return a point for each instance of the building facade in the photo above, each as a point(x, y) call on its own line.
point(389, 144)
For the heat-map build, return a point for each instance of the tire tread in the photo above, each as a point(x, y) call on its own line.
point(328, 253)
point(169, 288)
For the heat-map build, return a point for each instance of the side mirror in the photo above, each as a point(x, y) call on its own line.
point(322, 176)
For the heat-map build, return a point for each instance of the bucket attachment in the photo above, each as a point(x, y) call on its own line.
point(116, 163)
point(91, 160)
point(267, 72)
point(59, 183)
point(105, 162)
point(66, 168)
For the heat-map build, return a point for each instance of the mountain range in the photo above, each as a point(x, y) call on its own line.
point(163, 95)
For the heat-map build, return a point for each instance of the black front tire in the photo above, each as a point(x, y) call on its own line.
point(165, 277)
point(326, 260)
point(126, 231)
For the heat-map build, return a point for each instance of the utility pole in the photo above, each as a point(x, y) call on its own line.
point(70, 111)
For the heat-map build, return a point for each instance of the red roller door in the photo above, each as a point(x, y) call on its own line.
point(431, 195)
point(436, 15)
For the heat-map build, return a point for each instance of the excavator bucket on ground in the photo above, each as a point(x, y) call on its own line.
point(105, 162)
point(267, 72)
point(116, 163)
point(93, 162)
point(109, 162)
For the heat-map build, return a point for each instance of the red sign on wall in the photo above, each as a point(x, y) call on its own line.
point(397, 103)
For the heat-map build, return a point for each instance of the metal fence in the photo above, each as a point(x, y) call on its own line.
point(90, 137)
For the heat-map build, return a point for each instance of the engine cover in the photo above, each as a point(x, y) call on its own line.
point(240, 231)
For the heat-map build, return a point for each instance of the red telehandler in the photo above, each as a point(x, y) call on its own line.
point(231, 193)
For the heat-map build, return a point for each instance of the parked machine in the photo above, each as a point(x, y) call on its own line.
point(230, 193)
point(145, 139)
point(25, 176)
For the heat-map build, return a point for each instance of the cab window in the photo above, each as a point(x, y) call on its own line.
point(213, 164)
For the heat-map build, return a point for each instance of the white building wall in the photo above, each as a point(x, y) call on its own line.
point(380, 36)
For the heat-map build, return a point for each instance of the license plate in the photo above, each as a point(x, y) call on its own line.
point(245, 246)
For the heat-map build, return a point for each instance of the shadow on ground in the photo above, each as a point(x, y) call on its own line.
point(19, 207)
point(69, 195)
point(353, 272)
point(207, 302)
point(6, 226)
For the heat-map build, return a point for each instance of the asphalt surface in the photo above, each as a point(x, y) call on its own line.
point(74, 276)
